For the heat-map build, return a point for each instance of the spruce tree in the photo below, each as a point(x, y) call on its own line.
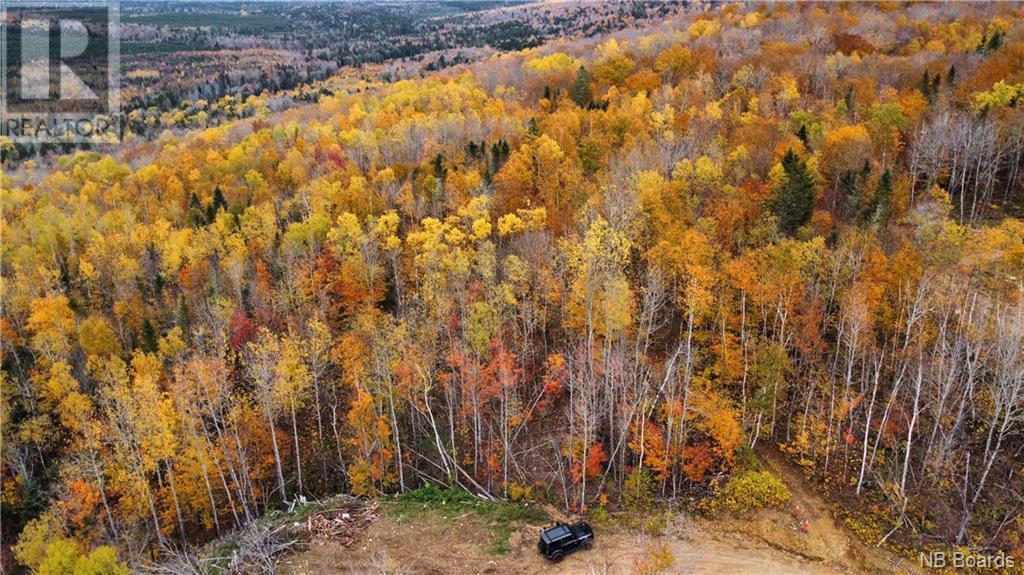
point(216, 205)
point(925, 87)
point(148, 340)
point(440, 171)
point(499, 153)
point(533, 128)
point(883, 197)
point(581, 92)
point(848, 193)
point(182, 316)
point(195, 216)
point(802, 135)
point(794, 198)
point(994, 42)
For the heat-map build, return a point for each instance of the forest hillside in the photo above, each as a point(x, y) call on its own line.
point(597, 273)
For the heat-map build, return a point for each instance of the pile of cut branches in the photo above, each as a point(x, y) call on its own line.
point(342, 524)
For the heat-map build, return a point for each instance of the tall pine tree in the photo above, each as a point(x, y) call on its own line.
point(149, 336)
point(883, 198)
point(581, 92)
point(195, 216)
point(217, 204)
point(794, 198)
point(802, 135)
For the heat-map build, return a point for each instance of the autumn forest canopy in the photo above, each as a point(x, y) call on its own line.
point(568, 274)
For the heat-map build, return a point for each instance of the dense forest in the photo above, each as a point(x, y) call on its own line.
point(188, 64)
point(563, 274)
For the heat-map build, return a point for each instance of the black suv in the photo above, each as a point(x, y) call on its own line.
point(555, 542)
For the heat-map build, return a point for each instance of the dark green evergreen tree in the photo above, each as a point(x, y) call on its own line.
point(883, 198)
point(925, 87)
point(440, 171)
point(195, 216)
point(216, 205)
point(148, 339)
point(794, 198)
point(991, 43)
point(849, 193)
point(802, 135)
point(581, 92)
point(499, 153)
point(994, 42)
point(182, 316)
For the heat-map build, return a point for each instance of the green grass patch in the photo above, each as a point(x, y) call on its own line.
point(500, 545)
point(746, 459)
point(502, 517)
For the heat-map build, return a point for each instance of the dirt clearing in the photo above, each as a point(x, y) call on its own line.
point(765, 543)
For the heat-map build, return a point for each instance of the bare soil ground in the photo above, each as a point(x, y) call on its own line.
point(769, 542)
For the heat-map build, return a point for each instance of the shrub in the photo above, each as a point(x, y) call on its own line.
point(749, 490)
point(638, 493)
point(656, 523)
point(658, 558)
point(747, 459)
point(434, 495)
point(517, 492)
point(598, 515)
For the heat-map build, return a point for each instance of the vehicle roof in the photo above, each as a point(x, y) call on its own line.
point(555, 533)
point(582, 528)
